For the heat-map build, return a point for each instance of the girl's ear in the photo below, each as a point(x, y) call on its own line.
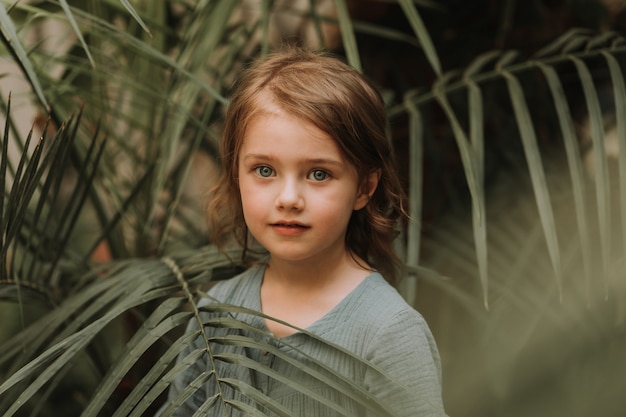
point(367, 189)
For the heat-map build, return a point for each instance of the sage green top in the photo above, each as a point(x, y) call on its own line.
point(400, 372)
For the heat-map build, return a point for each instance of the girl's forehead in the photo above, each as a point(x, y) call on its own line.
point(280, 134)
point(266, 125)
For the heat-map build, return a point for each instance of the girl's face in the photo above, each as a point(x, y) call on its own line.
point(297, 189)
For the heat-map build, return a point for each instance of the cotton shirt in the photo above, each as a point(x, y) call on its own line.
point(373, 322)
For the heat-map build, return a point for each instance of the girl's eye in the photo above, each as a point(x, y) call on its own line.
point(264, 171)
point(318, 175)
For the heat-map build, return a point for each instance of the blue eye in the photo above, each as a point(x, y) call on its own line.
point(264, 171)
point(318, 175)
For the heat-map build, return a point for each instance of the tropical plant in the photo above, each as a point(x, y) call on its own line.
point(515, 251)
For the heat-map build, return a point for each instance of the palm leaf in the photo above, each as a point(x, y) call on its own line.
point(414, 229)
point(422, 34)
point(70, 17)
point(537, 174)
point(127, 295)
point(28, 219)
point(573, 241)
point(347, 34)
point(448, 85)
point(602, 174)
point(619, 94)
point(13, 44)
point(574, 163)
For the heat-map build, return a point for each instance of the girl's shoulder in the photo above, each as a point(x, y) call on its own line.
point(239, 288)
point(377, 294)
point(376, 305)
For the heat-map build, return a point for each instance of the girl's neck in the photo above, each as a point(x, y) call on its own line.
point(345, 269)
point(302, 294)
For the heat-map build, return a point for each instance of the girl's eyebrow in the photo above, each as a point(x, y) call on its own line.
point(257, 156)
point(309, 161)
point(323, 161)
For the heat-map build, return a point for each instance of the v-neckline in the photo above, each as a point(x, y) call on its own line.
point(258, 281)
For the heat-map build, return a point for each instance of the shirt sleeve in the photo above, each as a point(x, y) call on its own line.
point(407, 374)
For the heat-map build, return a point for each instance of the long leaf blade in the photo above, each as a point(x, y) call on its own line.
point(422, 34)
point(603, 193)
point(537, 175)
point(619, 94)
point(11, 40)
point(576, 171)
point(347, 34)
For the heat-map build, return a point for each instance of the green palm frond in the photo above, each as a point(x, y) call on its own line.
point(467, 125)
point(149, 124)
point(14, 45)
point(36, 225)
point(169, 288)
point(549, 256)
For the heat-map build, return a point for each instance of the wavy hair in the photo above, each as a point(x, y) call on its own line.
point(318, 88)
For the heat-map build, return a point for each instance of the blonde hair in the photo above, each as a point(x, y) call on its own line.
point(320, 89)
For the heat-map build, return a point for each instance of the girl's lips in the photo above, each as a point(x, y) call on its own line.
point(289, 224)
point(289, 228)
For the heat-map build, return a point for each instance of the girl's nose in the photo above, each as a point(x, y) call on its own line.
point(290, 196)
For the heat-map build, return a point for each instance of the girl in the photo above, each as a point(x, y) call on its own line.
point(308, 174)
